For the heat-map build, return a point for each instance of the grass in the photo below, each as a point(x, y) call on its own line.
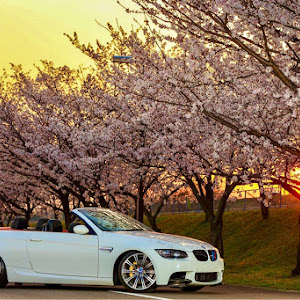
point(257, 252)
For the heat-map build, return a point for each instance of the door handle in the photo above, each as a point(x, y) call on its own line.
point(35, 240)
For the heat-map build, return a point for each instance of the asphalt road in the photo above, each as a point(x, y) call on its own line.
point(82, 292)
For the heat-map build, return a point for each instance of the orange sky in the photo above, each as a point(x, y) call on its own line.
point(33, 29)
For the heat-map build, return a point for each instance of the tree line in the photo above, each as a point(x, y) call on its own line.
point(209, 101)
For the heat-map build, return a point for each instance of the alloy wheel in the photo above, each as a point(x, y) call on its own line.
point(137, 272)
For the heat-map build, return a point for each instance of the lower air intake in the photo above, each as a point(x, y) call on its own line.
point(206, 277)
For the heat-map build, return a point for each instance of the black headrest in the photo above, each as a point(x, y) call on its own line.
point(54, 225)
point(19, 223)
point(40, 223)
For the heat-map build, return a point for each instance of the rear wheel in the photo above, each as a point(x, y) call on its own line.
point(136, 272)
point(3, 275)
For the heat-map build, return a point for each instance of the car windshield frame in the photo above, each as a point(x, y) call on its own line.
point(108, 220)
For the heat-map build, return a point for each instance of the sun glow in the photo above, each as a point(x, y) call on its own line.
point(33, 29)
point(295, 173)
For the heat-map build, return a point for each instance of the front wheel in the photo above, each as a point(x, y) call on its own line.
point(136, 272)
point(3, 275)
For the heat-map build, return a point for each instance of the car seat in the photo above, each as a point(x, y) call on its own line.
point(19, 223)
point(53, 225)
point(40, 223)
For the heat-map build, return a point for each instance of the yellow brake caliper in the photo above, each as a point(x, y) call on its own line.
point(131, 268)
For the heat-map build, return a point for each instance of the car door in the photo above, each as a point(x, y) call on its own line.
point(63, 253)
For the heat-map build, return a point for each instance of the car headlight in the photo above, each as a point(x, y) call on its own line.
point(170, 253)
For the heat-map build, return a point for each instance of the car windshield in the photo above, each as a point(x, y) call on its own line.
point(108, 220)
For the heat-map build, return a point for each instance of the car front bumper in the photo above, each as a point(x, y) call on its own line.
point(193, 269)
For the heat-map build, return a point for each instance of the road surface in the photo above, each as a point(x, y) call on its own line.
point(83, 292)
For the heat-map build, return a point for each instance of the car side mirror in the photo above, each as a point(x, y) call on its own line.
point(81, 229)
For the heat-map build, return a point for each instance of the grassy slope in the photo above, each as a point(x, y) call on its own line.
point(257, 252)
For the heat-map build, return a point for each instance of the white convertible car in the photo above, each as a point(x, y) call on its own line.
point(102, 247)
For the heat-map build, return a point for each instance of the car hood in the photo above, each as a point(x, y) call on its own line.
point(154, 240)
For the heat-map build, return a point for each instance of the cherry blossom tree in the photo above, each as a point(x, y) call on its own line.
point(165, 191)
point(247, 54)
point(177, 140)
point(237, 39)
point(197, 108)
point(208, 86)
point(49, 135)
point(71, 140)
point(148, 187)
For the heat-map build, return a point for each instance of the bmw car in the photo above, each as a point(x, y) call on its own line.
point(103, 247)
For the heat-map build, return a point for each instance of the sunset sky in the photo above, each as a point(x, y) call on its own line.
point(33, 29)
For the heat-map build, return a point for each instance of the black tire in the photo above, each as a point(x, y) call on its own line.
point(3, 275)
point(136, 273)
point(191, 288)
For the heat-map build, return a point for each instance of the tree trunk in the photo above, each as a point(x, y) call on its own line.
point(296, 271)
point(67, 217)
point(64, 197)
point(152, 221)
point(9, 220)
point(103, 202)
point(264, 211)
point(216, 239)
point(152, 218)
point(56, 213)
point(28, 214)
point(139, 209)
point(294, 192)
